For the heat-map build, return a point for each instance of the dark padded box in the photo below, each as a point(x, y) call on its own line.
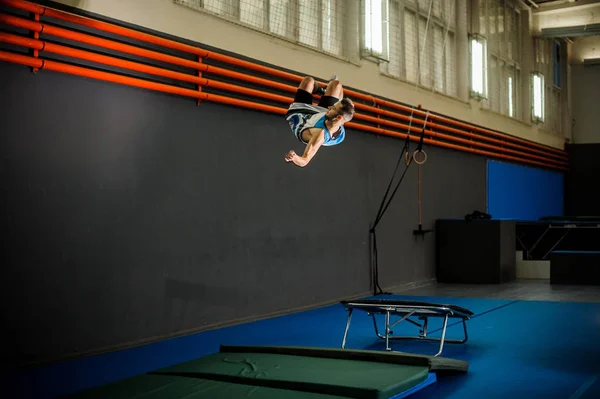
point(575, 267)
point(476, 251)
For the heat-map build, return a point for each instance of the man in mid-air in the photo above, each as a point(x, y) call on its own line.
point(318, 125)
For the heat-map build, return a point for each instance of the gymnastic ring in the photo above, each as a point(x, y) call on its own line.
point(424, 157)
point(407, 158)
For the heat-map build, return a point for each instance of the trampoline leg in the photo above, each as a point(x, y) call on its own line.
point(554, 246)
point(424, 330)
point(537, 242)
point(347, 327)
point(443, 336)
point(375, 326)
point(387, 331)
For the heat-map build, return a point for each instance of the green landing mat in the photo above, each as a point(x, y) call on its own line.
point(283, 372)
point(149, 386)
point(438, 364)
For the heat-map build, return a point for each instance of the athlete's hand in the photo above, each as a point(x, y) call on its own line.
point(290, 156)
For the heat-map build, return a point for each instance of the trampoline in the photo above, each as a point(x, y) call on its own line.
point(407, 309)
point(586, 226)
point(286, 373)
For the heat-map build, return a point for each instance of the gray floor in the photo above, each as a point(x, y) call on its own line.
point(527, 290)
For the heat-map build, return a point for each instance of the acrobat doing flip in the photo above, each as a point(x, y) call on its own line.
point(321, 124)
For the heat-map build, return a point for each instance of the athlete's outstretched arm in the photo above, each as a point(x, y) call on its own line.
point(312, 147)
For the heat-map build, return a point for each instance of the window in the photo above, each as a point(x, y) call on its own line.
point(478, 51)
point(556, 63)
point(511, 110)
point(375, 25)
point(422, 43)
point(551, 98)
point(537, 97)
point(500, 23)
point(317, 24)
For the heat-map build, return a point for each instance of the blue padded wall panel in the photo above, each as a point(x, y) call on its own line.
point(523, 192)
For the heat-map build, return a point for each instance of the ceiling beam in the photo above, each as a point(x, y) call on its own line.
point(591, 61)
point(557, 7)
point(571, 31)
point(568, 18)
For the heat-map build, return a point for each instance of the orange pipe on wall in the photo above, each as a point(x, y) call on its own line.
point(453, 138)
point(118, 30)
point(500, 142)
point(99, 75)
point(107, 27)
point(89, 56)
point(442, 127)
point(133, 34)
point(95, 41)
point(463, 125)
point(67, 34)
point(63, 50)
point(250, 92)
point(115, 78)
point(113, 45)
point(248, 78)
point(86, 55)
point(183, 47)
point(453, 130)
point(451, 146)
point(246, 104)
point(128, 49)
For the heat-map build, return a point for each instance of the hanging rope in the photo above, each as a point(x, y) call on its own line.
point(420, 162)
point(419, 149)
point(419, 156)
point(383, 206)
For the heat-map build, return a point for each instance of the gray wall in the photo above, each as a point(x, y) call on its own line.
point(582, 193)
point(585, 97)
point(133, 215)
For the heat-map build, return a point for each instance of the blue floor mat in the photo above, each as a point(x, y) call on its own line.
point(527, 349)
point(431, 379)
point(516, 349)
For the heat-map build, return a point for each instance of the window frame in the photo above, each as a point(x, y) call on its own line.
point(367, 52)
point(535, 118)
point(483, 95)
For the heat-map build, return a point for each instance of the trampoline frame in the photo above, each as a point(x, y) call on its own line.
point(567, 226)
point(407, 309)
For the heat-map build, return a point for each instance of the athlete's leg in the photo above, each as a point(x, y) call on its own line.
point(335, 89)
point(333, 93)
point(320, 90)
point(304, 93)
point(307, 84)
